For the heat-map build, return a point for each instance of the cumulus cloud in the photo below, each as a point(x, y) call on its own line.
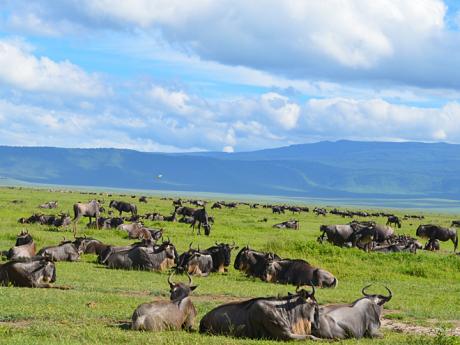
point(336, 39)
point(23, 70)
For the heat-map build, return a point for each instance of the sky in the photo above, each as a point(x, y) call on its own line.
point(228, 75)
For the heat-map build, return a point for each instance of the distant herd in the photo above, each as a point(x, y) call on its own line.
point(295, 316)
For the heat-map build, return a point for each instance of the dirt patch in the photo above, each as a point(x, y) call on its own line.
point(16, 323)
point(401, 327)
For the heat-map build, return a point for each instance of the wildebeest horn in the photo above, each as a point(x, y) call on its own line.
point(190, 245)
point(390, 294)
point(312, 294)
point(170, 282)
point(189, 279)
point(363, 291)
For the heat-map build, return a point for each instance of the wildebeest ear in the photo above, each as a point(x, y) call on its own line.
point(193, 287)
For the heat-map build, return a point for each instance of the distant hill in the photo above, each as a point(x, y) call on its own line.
point(324, 169)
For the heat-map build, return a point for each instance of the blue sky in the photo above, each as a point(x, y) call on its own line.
point(172, 76)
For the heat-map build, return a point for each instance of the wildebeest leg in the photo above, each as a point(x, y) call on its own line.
point(97, 222)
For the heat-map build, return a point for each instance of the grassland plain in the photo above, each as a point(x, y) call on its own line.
point(98, 307)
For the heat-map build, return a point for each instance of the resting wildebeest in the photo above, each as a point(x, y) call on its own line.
point(91, 209)
point(436, 232)
point(432, 245)
point(338, 234)
point(150, 258)
point(36, 272)
point(89, 245)
point(49, 205)
point(394, 220)
point(356, 320)
point(252, 262)
point(279, 318)
point(123, 206)
point(289, 224)
point(297, 272)
point(369, 233)
point(65, 251)
point(177, 314)
point(221, 256)
point(195, 262)
point(24, 247)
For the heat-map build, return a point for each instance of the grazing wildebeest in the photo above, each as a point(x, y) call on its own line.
point(24, 247)
point(177, 314)
point(221, 256)
point(436, 232)
point(394, 220)
point(65, 251)
point(252, 262)
point(216, 205)
point(36, 272)
point(91, 209)
point(279, 318)
point(455, 223)
point(49, 205)
point(356, 320)
point(278, 209)
point(339, 235)
point(123, 206)
point(319, 211)
point(201, 216)
point(297, 272)
point(150, 258)
point(143, 199)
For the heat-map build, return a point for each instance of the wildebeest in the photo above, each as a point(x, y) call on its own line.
point(455, 223)
point(297, 272)
point(49, 205)
point(136, 231)
point(394, 220)
point(195, 262)
point(320, 211)
point(432, 245)
point(289, 224)
point(370, 233)
point(279, 318)
point(436, 232)
point(216, 205)
point(24, 247)
point(65, 251)
point(338, 234)
point(91, 209)
point(123, 206)
point(221, 256)
point(150, 258)
point(356, 320)
point(177, 314)
point(143, 199)
point(89, 245)
point(253, 262)
point(36, 272)
point(278, 209)
point(201, 216)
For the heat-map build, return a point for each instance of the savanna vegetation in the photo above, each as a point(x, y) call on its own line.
point(98, 307)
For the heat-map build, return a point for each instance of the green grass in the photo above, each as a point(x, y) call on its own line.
point(426, 286)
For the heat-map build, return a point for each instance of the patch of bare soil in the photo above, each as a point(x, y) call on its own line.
point(16, 323)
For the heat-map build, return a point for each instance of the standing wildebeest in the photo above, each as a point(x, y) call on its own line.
point(279, 318)
point(356, 320)
point(91, 209)
point(177, 314)
point(297, 272)
point(123, 206)
point(24, 247)
point(339, 235)
point(37, 272)
point(252, 262)
point(201, 216)
point(436, 232)
point(394, 220)
point(66, 251)
point(278, 209)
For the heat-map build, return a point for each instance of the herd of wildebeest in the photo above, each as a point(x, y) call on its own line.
point(296, 316)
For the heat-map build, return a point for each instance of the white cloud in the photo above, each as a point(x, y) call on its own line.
point(228, 149)
point(21, 69)
point(280, 109)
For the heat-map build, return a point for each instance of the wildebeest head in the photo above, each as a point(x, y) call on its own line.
point(23, 238)
point(47, 270)
point(324, 278)
point(180, 291)
point(377, 299)
point(169, 249)
point(112, 203)
point(309, 297)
